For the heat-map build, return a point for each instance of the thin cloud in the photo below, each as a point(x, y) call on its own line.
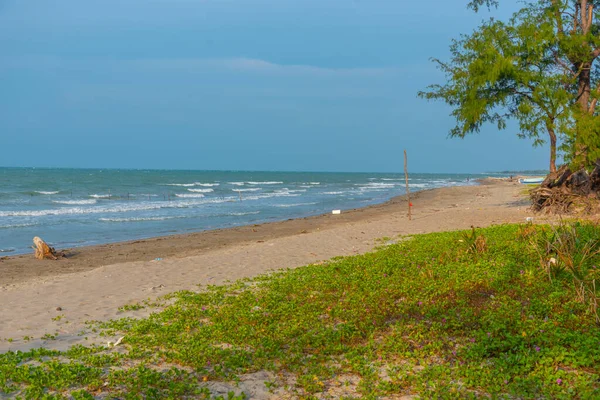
point(258, 66)
point(262, 66)
point(190, 65)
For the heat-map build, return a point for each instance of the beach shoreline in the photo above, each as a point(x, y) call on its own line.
point(95, 282)
point(13, 268)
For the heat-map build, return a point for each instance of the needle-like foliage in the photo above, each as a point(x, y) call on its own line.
point(538, 68)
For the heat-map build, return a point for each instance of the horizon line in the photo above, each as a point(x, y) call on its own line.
point(272, 171)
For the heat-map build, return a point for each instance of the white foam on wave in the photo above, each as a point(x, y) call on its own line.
point(16, 226)
point(206, 184)
point(418, 185)
point(375, 186)
point(241, 214)
point(46, 192)
point(444, 182)
point(237, 183)
point(116, 208)
point(265, 183)
point(285, 192)
point(190, 196)
point(269, 195)
point(76, 202)
point(201, 190)
point(136, 219)
point(332, 193)
point(294, 205)
point(378, 185)
point(391, 179)
point(181, 184)
point(100, 196)
point(247, 190)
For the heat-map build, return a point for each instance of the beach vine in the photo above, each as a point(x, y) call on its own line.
point(431, 316)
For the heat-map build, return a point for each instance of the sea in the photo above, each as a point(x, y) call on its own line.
point(81, 207)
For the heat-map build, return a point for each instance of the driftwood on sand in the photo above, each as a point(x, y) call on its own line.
point(564, 191)
point(43, 251)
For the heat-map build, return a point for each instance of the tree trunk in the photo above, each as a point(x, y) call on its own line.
point(552, 135)
point(585, 87)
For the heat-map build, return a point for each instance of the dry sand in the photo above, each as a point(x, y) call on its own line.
point(95, 281)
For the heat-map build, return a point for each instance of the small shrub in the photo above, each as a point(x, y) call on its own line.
point(476, 243)
point(574, 249)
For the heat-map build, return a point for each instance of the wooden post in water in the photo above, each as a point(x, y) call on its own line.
point(407, 188)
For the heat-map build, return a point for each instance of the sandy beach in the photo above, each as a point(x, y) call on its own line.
point(58, 297)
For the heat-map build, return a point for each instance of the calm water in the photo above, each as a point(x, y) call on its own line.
point(79, 207)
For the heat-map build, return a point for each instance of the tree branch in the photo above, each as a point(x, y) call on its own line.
point(558, 17)
point(564, 65)
point(594, 101)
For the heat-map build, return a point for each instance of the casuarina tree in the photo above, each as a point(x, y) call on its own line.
point(538, 68)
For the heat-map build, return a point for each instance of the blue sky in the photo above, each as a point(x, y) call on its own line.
point(311, 85)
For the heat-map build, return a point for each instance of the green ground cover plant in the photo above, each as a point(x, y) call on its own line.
point(445, 315)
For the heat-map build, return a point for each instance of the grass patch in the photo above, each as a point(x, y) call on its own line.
point(459, 314)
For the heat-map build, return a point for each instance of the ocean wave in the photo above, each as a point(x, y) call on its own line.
point(441, 182)
point(265, 183)
point(241, 214)
point(376, 185)
point(331, 193)
point(190, 196)
point(46, 192)
point(16, 226)
point(206, 184)
point(117, 208)
point(6, 250)
point(294, 205)
point(247, 190)
point(136, 219)
point(100, 196)
point(201, 190)
point(75, 202)
point(284, 192)
point(418, 185)
point(270, 195)
point(237, 183)
point(180, 184)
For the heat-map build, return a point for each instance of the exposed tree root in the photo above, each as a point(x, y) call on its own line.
point(564, 192)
